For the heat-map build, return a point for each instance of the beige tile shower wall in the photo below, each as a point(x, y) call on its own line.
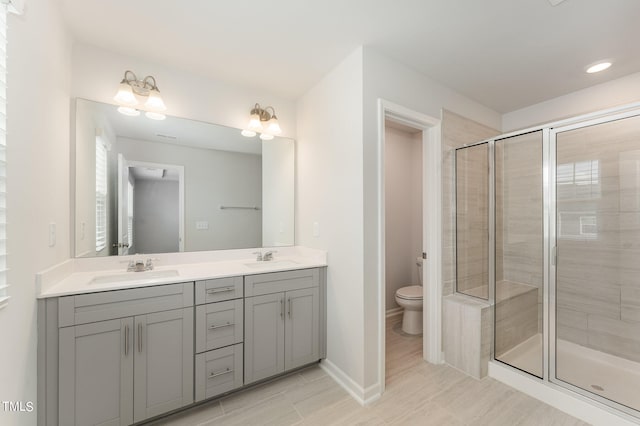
point(598, 238)
point(519, 234)
point(472, 219)
point(467, 334)
point(456, 131)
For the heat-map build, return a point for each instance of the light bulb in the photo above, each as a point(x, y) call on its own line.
point(155, 115)
point(266, 136)
point(248, 133)
point(154, 101)
point(254, 123)
point(273, 127)
point(131, 112)
point(125, 95)
point(598, 67)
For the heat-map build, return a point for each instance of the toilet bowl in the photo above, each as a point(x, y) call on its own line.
point(410, 299)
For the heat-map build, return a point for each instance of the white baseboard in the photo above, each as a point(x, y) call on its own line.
point(580, 407)
point(361, 395)
point(394, 312)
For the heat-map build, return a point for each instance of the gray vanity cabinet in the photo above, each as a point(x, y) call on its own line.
point(96, 373)
point(219, 325)
point(117, 371)
point(282, 328)
point(302, 330)
point(264, 336)
point(163, 364)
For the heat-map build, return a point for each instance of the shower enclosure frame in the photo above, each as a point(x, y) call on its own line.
point(552, 260)
point(491, 225)
point(549, 285)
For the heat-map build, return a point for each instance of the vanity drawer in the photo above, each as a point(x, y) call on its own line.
point(218, 371)
point(275, 282)
point(219, 324)
point(218, 290)
point(106, 305)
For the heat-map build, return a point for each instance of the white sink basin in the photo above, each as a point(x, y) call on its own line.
point(271, 264)
point(133, 276)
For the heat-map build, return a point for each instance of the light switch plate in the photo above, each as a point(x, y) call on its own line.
point(202, 225)
point(52, 234)
point(316, 229)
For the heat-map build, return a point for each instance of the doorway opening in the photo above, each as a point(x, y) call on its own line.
point(410, 240)
point(403, 247)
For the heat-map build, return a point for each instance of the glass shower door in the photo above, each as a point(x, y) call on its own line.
point(519, 252)
point(472, 220)
point(597, 272)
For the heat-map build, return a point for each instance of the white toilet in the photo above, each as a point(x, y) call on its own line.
point(410, 299)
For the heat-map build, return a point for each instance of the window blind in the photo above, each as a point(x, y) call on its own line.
point(101, 195)
point(4, 295)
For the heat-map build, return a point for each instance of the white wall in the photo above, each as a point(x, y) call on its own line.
point(155, 216)
point(212, 178)
point(403, 210)
point(622, 91)
point(278, 186)
point(337, 174)
point(37, 186)
point(97, 72)
point(387, 79)
point(329, 193)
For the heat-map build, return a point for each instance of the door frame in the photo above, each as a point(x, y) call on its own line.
point(432, 229)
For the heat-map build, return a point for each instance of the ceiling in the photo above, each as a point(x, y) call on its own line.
point(506, 54)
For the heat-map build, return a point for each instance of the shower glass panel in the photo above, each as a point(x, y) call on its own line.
point(598, 259)
point(519, 265)
point(472, 220)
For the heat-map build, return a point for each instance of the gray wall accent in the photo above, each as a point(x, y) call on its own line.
point(155, 216)
point(456, 131)
point(212, 178)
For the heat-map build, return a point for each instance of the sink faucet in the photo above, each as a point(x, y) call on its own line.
point(140, 266)
point(258, 256)
point(267, 256)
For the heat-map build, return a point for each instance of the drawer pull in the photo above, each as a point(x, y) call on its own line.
point(213, 327)
point(220, 290)
point(220, 373)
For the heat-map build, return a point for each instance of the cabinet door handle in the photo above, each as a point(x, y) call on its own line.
point(126, 340)
point(213, 327)
point(282, 308)
point(289, 311)
point(220, 373)
point(220, 290)
point(140, 337)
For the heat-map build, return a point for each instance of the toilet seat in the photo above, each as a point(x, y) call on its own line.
point(413, 292)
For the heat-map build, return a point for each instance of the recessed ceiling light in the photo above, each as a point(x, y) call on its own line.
point(600, 66)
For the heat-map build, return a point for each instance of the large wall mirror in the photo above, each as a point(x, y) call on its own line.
point(146, 186)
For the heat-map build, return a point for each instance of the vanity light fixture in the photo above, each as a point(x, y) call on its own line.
point(257, 117)
point(130, 86)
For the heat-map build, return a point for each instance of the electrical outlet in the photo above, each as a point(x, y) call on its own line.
point(316, 229)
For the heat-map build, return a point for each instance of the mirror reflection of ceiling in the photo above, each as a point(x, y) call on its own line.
point(504, 54)
point(154, 173)
point(179, 131)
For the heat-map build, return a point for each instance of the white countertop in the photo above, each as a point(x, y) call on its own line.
point(78, 276)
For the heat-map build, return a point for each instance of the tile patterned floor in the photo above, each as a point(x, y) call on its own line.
point(417, 393)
